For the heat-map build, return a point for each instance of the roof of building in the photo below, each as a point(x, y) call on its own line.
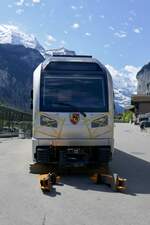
point(142, 70)
point(140, 98)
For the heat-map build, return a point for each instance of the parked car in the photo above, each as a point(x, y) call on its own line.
point(144, 124)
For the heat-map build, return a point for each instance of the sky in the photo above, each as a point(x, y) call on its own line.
point(117, 32)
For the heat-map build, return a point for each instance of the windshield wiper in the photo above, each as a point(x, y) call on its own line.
point(72, 106)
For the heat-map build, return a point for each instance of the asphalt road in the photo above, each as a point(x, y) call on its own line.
point(77, 201)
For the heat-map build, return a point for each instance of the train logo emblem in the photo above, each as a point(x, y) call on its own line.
point(74, 118)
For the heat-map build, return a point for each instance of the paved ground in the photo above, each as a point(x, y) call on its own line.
point(77, 201)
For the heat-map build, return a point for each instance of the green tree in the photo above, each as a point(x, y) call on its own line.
point(127, 116)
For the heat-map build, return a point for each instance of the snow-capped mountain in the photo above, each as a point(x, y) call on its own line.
point(125, 84)
point(10, 34)
point(17, 64)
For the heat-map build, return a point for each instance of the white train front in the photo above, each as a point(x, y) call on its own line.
point(72, 112)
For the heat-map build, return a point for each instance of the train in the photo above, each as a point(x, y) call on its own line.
point(73, 111)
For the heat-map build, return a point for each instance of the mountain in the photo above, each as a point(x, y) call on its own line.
point(125, 85)
point(123, 90)
point(10, 34)
point(20, 53)
point(17, 64)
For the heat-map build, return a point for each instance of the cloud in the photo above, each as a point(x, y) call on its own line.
point(27, 4)
point(19, 3)
point(75, 25)
point(62, 43)
point(50, 40)
point(132, 69)
point(88, 34)
point(10, 6)
point(111, 28)
point(125, 24)
point(19, 11)
point(127, 68)
point(106, 45)
point(131, 18)
point(102, 16)
point(81, 7)
point(22, 2)
point(36, 1)
point(137, 30)
point(7, 27)
point(132, 72)
point(124, 82)
point(112, 70)
point(120, 34)
point(65, 32)
point(74, 7)
point(125, 77)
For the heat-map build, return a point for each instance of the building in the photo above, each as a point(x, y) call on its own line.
point(141, 104)
point(143, 77)
point(59, 51)
point(141, 101)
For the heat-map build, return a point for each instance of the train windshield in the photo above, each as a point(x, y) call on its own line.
point(64, 91)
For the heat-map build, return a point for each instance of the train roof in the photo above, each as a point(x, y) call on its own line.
point(61, 55)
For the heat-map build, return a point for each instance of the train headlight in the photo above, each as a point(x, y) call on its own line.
point(100, 122)
point(48, 122)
